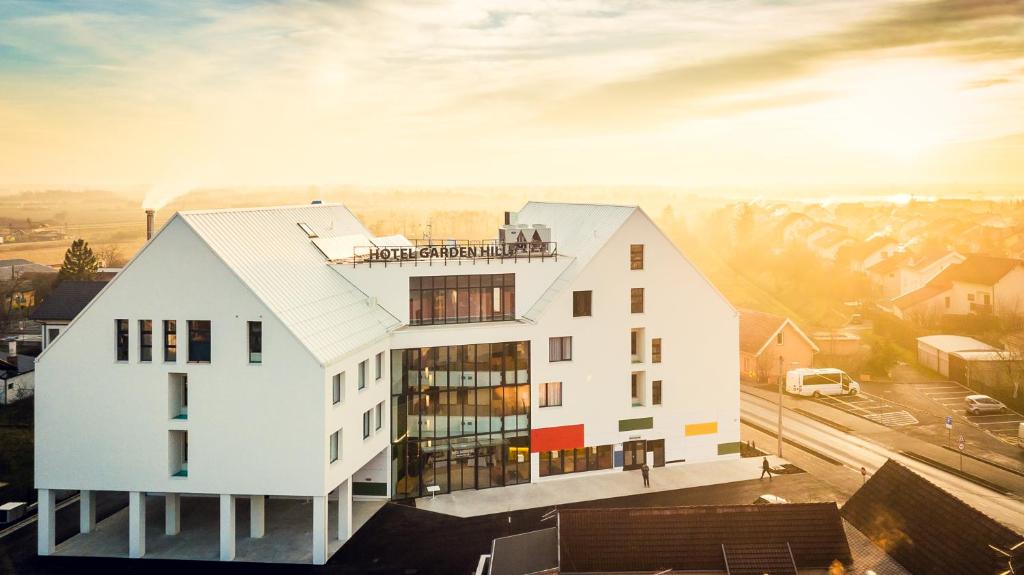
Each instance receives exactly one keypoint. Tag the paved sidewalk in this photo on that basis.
(593, 485)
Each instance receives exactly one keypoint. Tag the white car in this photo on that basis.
(977, 404)
(768, 499)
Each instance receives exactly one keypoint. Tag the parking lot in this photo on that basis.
(871, 407)
(950, 395)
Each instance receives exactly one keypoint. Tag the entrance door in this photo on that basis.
(634, 454)
(658, 447)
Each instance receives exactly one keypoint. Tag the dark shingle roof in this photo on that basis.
(691, 538)
(759, 559)
(66, 300)
(925, 528)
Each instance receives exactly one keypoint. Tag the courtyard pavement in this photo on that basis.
(589, 486)
(288, 538)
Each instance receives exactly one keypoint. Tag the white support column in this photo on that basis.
(227, 527)
(257, 516)
(86, 511)
(172, 513)
(47, 522)
(136, 524)
(320, 530)
(345, 510)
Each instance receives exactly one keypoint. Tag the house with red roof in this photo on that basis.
(978, 285)
(765, 339)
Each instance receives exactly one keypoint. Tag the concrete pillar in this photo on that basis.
(172, 513)
(47, 522)
(257, 516)
(136, 524)
(227, 527)
(345, 510)
(320, 530)
(86, 511)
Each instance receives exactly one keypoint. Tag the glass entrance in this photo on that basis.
(634, 454)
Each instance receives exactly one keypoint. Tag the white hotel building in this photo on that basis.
(286, 352)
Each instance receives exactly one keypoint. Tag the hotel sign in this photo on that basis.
(396, 254)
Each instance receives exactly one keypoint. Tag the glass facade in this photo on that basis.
(460, 417)
(462, 299)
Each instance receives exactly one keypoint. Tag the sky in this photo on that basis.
(755, 96)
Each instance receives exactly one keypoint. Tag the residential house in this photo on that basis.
(62, 305)
(794, 226)
(907, 271)
(765, 339)
(827, 246)
(977, 285)
(863, 255)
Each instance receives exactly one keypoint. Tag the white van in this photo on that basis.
(817, 382)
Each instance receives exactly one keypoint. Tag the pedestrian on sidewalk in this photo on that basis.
(646, 471)
(766, 468)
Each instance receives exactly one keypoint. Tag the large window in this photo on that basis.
(636, 257)
(335, 446)
(460, 417)
(636, 300)
(170, 340)
(560, 348)
(362, 374)
(575, 460)
(121, 327)
(581, 303)
(145, 340)
(366, 423)
(338, 387)
(255, 342)
(550, 394)
(462, 299)
(198, 341)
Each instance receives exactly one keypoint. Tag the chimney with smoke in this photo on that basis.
(149, 224)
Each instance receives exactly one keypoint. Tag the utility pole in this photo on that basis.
(780, 406)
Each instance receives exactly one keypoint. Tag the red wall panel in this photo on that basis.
(552, 438)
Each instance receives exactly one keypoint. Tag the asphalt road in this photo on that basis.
(854, 452)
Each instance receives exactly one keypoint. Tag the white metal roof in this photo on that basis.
(954, 343)
(271, 254)
(579, 230)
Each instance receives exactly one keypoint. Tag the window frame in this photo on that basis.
(334, 452)
(378, 367)
(145, 349)
(636, 262)
(656, 390)
(545, 393)
(655, 350)
(636, 300)
(560, 342)
(379, 416)
(367, 415)
(464, 298)
(170, 350)
(259, 342)
(192, 327)
(338, 388)
(364, 368)
(122, 340)
(583, 299)
(780, 339)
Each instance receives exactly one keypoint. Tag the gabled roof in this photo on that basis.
(975, 269)
(67, 300)
(275, 258)
(892, 263)
(654, 539)
(580, 231)
(862, 250)
(20, 267)
(954, 343)
(924, 528)
(758, 329)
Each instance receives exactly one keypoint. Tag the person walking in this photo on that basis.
(646, 471)
(766, 468)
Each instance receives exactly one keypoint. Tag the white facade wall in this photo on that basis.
(103, 425)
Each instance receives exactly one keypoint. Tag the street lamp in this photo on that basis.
(780, 406)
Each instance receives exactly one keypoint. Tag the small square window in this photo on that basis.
(550, 394)
(560, 348)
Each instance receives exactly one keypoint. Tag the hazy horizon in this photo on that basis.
(744, 99)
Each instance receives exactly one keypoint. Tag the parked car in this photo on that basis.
(769, 499)
(977, 404)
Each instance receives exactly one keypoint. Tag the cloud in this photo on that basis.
(963, 28)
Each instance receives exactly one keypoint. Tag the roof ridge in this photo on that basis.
(261, 208)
